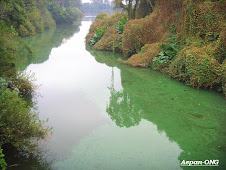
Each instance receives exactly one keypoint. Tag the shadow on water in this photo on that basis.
(22, 160)
(192, 118)
(37, 48)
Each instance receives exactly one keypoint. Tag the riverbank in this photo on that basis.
(107, 114)
(27, 18)
(19, 121)
(182, 39)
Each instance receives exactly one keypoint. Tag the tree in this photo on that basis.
(145, 7)
(130, 6)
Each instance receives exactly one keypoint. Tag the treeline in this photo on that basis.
(26, 18)
(30, 17)
(184, 39)
(94, 8)
(18, 123)
(64, 11)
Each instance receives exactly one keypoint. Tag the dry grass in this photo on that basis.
(109, 41)
(152, 29)
(144, 58)
(194, 66)
(103, 20)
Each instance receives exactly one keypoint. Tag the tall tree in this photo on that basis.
(145, 7)
(130, 6)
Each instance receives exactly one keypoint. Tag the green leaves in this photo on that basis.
(3, 83)
(3, 164)
(98, 35)
(120, 25)
(17, 123)
(169, 50)
(159, 61)
(63, 14)
(165, 55)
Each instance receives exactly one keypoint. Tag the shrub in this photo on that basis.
(102, 21)
(120, 25)
(3, 164)
(101, 16)
(159, 61)
(98, 35)
(111, 41)
(23, 31)
(3, 83)
(8, 49)
(165, 55)
(18, 125)
(24, 82)
(169, 50)
(30, 27)
(196, 68)
(151, 29)
(145, 56)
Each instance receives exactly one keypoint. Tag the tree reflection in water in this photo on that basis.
(194, 119)
(121, 107)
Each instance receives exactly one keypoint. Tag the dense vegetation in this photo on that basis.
(64, 14)
(111, 40)
(184, 39)
(32, 17)
(18, 122)
(98, 35)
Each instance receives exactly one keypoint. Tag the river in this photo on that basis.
(109, 116)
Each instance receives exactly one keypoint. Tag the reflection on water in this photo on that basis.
(194, 119)
(106, 115)
(112, 148)
(40, 46)
(121, 108)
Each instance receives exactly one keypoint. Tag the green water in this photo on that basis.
(194, 119)
(107, 115)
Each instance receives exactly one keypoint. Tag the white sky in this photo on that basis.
(85, 1)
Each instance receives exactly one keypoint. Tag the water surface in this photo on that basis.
(106, 115)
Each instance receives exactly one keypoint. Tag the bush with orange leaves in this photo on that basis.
(103, 20)
(154, 28)
(194, 66)
(145, 56)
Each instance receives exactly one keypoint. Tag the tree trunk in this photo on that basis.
(130, 7)
(135, 9)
